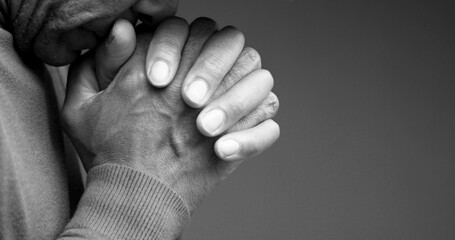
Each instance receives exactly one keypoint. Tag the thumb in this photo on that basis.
(82, 82)
(152, 12)
(114, 52)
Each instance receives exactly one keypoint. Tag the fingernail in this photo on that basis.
(111, 36)
(213, 120)
(228, 148)
(159, 73)
(110, 39)
(197, 90)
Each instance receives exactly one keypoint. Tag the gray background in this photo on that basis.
(367, 149)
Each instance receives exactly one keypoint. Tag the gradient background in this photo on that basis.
(367, 150)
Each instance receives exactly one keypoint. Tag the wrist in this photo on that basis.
(122, 203)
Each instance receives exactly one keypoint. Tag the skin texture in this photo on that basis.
(167, 45)
(56, 31)
(221, 64)
(115, 116)
(152, 130)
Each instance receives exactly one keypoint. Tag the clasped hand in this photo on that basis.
(183, 104)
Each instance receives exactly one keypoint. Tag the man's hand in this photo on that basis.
(152, 130)
(163, 59)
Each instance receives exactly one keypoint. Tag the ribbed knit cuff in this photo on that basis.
(122, 203)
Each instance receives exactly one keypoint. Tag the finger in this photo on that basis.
(164, 51)
(248, 61)
(267, 110)
(240, 100)
(247, 143)
(200, 31)
(81, 87)
(216, 59)
(115, 51)
(82, 84)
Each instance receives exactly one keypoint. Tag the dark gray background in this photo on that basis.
(367, 149)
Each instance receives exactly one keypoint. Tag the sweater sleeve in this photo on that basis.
(122, 203)
(119, 202)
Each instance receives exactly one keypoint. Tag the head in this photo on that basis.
(56, 31)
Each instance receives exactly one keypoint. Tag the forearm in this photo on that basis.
(122, 203)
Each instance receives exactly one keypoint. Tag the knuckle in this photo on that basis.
(132, 80)
(235, 74)
(169, 45)
(170, 36)
(250, 56)
(138, 77)
(237, 107)
(248, 61)
(213, 66)
(267, 110)
(273, 103)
